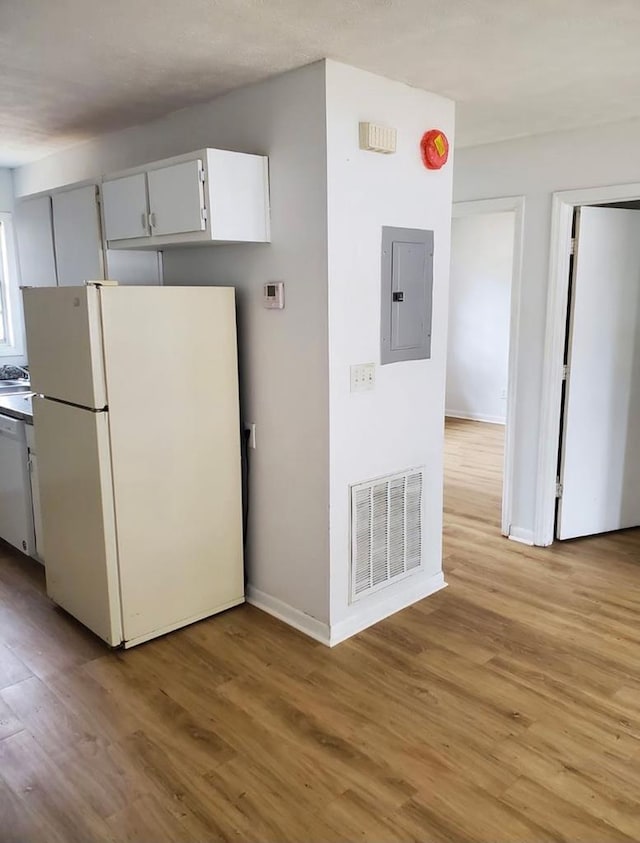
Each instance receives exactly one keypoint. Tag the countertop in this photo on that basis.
(17, 406)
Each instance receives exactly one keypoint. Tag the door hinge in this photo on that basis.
(558, 488)
(201, 175)
(565, 372)
(572, 247)
(203, 214)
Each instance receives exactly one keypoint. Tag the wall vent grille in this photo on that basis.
(386, 531)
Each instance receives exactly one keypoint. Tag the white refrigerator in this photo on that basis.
(137, 431)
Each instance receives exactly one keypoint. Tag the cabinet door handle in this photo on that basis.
(143, 218)
(152, 220)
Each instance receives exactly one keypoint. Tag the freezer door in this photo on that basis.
(64, 343)
(76, 494)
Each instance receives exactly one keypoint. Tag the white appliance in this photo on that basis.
(137, 425)
(16, 515)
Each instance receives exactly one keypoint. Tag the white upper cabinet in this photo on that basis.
(60, 238)
(238, 196)
(34, 231)
(125, 209)
(208, 196)
(77, 236)
(176, 198)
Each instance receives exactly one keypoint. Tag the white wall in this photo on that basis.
(399, 424)
(536, 167)
(6, 190)
(284, 356)
(479, 297)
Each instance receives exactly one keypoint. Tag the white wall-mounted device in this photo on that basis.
(377, 138)
(273, 298)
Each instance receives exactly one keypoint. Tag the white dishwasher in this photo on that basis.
(16, 513)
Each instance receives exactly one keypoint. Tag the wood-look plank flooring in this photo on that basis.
(504, 708)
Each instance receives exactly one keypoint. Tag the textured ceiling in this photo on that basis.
(71, 69)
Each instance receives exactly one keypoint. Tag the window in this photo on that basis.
(11, 326)
(4, 326)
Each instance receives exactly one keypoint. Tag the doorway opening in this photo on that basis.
(589, 451)
(484, 307)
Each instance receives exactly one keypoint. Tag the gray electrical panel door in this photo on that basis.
(407, 294)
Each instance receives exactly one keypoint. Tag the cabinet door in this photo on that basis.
(124, 203)
(34, 231)
(16, 525)
(77, 236)
(134, 266)
(176, 198)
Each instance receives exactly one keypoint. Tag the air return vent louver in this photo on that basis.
(386, 531)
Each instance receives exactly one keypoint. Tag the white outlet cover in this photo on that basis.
(363, 377)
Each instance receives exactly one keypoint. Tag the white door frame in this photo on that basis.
(564, 203)
(496, 206)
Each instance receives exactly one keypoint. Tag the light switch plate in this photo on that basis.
(363, 377)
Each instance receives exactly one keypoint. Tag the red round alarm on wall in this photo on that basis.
(434, 148)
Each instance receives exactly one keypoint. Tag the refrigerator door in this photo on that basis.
(175, 448)
(76, 494)
(64, 343)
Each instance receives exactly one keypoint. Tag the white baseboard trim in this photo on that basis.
(460, 414)
(370, 614)
(311, 626)
(367, 615)
(518, 534)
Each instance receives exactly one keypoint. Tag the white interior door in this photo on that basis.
(77, 236)
(600, 459)
(176, 198)
(76, 494)
(34, 231)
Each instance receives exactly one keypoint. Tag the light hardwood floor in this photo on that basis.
(504, 708)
